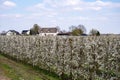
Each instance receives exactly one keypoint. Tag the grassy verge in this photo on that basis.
(18, 71)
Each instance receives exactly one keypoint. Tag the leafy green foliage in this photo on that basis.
(78, 30)
(35, 29)
(94, 32)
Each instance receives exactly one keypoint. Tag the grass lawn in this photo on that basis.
(11, 70)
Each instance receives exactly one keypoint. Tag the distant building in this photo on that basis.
(84, 35)
(48, 31)
(64, 34)
(3, 33)
(107, 34)
(26, 32)
(12, 32)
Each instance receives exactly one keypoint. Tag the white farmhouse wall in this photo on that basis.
(48, 34)
(28, 32)
(10, 33)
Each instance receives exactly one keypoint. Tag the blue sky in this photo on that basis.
(103, 15)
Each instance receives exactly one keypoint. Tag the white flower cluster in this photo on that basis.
(81, 58)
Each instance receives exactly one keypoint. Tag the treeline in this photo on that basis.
(73, 30)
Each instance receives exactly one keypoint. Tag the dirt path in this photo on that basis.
(3, 78)
(11, 70)
(2, 75)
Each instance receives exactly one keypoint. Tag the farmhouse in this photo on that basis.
(26, 32)
(3, 33)
(12, 32)
(64, 34)
(48, 31)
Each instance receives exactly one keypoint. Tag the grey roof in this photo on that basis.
(24, 31)
(48, 30)
(14, 31)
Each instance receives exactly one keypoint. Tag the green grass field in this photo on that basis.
(11, 70)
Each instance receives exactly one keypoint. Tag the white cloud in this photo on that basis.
(18, 15)
(78, 8)
(72, 2)
(56, 9)
(71, 5)
(99, 3)
(11, 16)
(39, 5)
(38, 8)
(95, 8)
(9, 4)
(2, 15)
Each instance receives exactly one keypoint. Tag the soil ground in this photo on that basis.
(11, 70)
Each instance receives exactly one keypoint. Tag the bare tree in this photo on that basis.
(82, 27)
(94, 32)
(77, 30)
